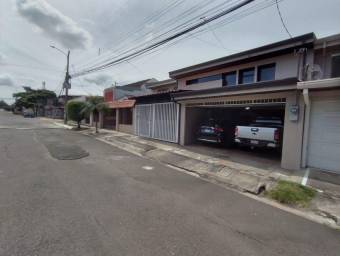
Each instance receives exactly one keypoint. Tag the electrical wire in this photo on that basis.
(169, 25)
(128, 56)
(282, 21)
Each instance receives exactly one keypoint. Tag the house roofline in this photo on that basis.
(269, 50)
(141, 82)
(285, 84)
(162, 83)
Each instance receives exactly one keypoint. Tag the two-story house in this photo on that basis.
(263, 82)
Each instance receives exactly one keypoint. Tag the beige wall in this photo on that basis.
(293, 134)
(125, 128)
(286, 67)
(293, 131)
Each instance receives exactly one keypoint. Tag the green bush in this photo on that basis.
(75, 111)
(292, 193)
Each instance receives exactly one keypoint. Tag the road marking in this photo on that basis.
(148, 168)
(305, 178)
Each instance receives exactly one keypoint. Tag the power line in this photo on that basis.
(166, 40)
(170, 26)
(282, 21)
(244, 13)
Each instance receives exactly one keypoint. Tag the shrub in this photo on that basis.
(75, 111)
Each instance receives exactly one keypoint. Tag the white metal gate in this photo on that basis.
(158, 121)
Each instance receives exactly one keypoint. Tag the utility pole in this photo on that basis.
(67, 85)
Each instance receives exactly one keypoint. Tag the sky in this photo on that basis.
(96, 30)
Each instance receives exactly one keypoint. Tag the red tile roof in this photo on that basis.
(121, 104)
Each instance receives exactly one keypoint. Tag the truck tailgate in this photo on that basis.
(256, 133)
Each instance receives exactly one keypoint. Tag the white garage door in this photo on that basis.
(324, 136)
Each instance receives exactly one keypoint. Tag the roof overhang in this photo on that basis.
(121, 104)
(267, 51)
(320, 84)
(288, 84)
(161, 84)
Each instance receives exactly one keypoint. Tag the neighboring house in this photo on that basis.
(120, 114)
(156, 115)
(163, 86)
(321, 134)
(55, 108)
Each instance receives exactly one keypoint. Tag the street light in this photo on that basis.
(54, 47)
(66, 84)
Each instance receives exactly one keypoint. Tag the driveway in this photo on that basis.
(105, 201)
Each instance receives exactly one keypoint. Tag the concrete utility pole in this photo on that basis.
(67, 83)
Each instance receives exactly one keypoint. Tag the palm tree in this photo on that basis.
(95, 105)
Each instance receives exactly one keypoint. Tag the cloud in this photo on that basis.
(6, 80)
(54, 24)
(101, 80)
(2, 57)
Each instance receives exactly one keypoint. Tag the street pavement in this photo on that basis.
(105, 201)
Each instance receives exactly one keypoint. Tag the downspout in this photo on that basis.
(178, 117)
(305, 127)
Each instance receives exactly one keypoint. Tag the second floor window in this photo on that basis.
(229, 79)
(266, 72)
(204, 79)
(336, 66)
(246, 76)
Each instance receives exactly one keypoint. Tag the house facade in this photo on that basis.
(264, 82)
(296, 80)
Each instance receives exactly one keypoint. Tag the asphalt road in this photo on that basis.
(109, 202)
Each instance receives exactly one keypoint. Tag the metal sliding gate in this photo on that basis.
(158, 121)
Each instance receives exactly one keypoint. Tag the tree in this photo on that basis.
(32, 98)
(3, 104)
(75, 111)
(95, 105)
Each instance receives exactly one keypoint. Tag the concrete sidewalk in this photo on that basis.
(234, 175)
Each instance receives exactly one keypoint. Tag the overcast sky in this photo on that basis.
(28, 27)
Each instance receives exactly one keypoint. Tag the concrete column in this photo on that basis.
(101, 119)
(117, 119)
(91, 119)
(293, 135)
(182, 125)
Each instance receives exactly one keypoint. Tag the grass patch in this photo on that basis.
(291, 193)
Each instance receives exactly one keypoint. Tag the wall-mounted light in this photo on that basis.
(247, 108)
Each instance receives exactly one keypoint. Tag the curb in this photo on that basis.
(247, 184)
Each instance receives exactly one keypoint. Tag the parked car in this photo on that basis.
(264, 132)
(215, 131)
(28, 113)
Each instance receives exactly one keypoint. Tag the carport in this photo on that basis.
(234, 113)
(242, 108)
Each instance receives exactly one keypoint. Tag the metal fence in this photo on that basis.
(158, 121)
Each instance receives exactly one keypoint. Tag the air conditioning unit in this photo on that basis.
(314, 72)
